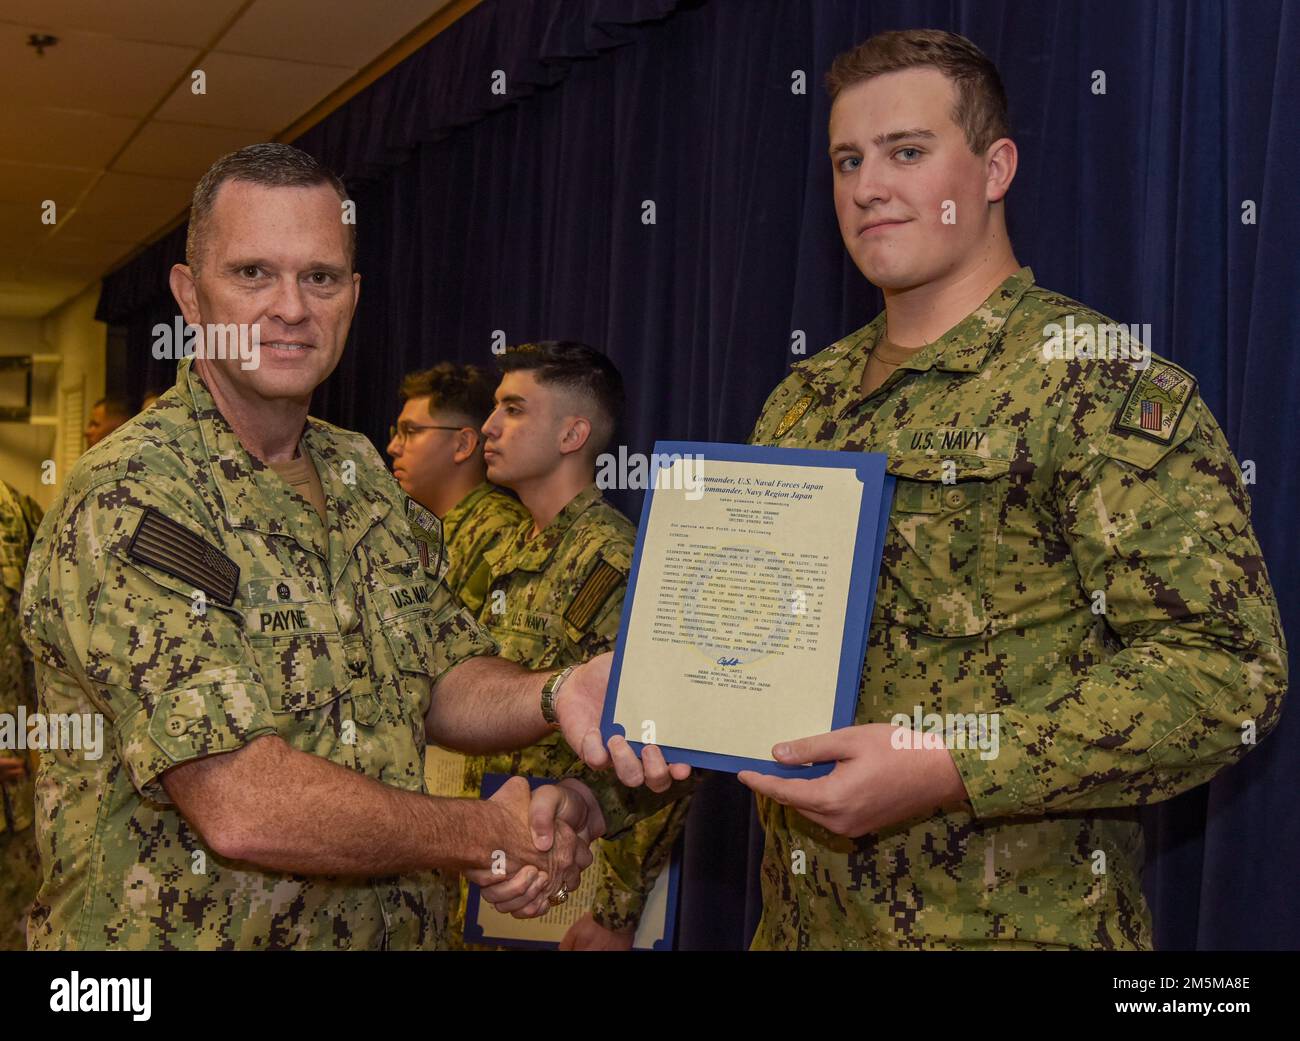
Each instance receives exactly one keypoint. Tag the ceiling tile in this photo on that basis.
(17, 223)
(129, 208)
(106, 123)
(192, 22)
(118, 193)
(294, 30)
(252, 93)
(92, 73)
(181, 150)
(32, 184)
(79, 252)
(131, 226)
(61, 137)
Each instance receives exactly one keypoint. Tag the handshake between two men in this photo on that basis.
(548, 831)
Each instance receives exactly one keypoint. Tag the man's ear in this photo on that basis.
(577, 432)
(1001, 163)
(467, 444)
(186, 292)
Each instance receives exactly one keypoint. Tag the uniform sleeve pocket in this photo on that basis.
(203, 719)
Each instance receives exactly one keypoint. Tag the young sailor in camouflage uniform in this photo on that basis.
(557, 585)
(437, 451)
(1069, 563)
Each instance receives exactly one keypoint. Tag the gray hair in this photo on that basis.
(271, 164)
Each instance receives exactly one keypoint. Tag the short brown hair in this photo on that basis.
(981, 109)
(581, 369)
(272, 165)
(463, 390)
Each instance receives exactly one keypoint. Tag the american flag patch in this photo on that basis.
(175, 550)
(597, 587)
(1156, 403)
(1151, 418)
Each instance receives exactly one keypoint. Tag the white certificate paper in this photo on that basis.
(748, 605)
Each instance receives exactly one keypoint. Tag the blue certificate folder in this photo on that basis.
(873, 520)
(474, 932)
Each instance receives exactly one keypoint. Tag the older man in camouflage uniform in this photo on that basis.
(20, 871)
(236, 588)
(1069, 561)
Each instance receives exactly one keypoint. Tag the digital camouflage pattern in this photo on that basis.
(20, 878)
(19, 864)
(472, 527)
(534, 583)
(1058, 493)
(630, 864)
(333, 641)
(560, 599)
(19, 518)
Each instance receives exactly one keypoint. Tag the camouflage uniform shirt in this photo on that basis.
(20, 873)
(561, 599)
(182, 589)
(1070, 548)
(473, 526)
(19, 517)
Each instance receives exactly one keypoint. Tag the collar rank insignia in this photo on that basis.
(1155, 403)
(427, 531)
(792, 416)
(175, 550)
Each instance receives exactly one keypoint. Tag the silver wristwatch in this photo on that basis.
(549, 691)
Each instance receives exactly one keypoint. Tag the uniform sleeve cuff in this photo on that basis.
(616, 907)
(1001, 782)
(457, 637)
(624, 808)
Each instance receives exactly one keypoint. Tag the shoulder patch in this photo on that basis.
(427, 530)
(792, 416)
(603, 580)
(172, 548)
(1156, 402)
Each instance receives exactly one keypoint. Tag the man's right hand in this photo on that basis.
(12, 770)
(544, 845)
(578, 706)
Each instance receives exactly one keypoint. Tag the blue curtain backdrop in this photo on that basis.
(523, 212)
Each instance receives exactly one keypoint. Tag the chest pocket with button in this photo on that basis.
(939, 549)
(403, 599)
(534, 638)
(294, 633)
